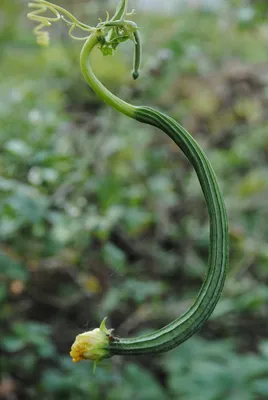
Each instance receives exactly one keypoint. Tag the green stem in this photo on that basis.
(182, 328)
(96, 85)
(137, 56)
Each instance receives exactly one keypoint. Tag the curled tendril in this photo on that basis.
(42, 37)
(42, 6)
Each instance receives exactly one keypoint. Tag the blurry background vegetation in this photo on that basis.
(101, 215)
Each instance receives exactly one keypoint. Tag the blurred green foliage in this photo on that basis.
(103, 216)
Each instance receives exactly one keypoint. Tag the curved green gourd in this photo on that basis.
(101, 343)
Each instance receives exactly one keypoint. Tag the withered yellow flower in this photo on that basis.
(92, 345)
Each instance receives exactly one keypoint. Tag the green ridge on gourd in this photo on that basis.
(101, 342)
